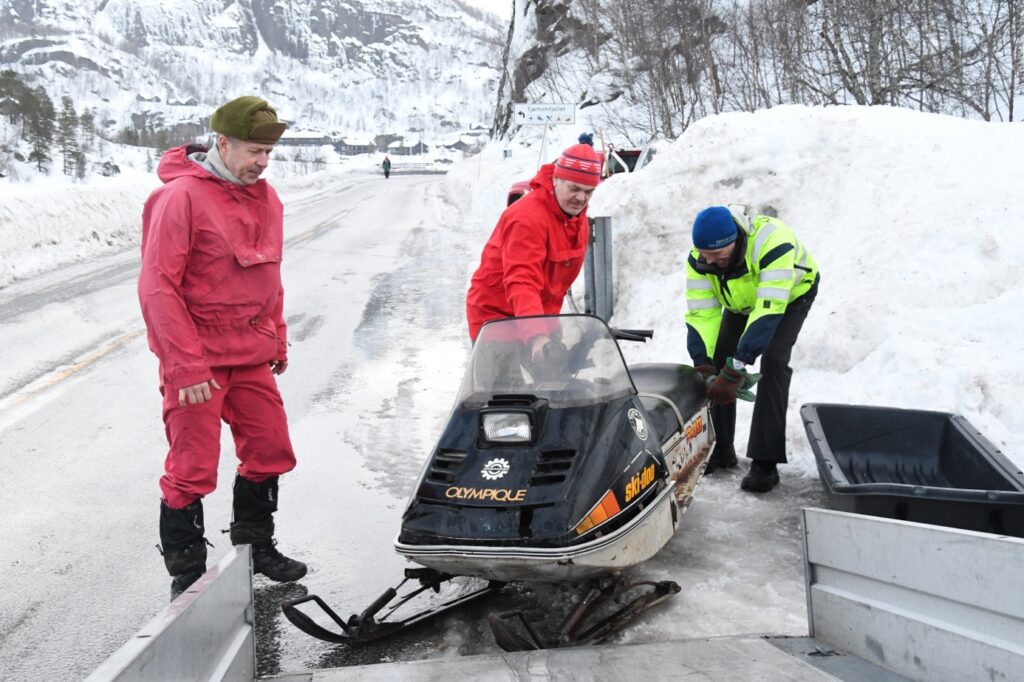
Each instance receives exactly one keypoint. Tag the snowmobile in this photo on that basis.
(573, 468)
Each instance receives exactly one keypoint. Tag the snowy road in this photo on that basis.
(374, 278)
(81, 442)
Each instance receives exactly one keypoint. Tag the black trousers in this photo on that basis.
(768, 426)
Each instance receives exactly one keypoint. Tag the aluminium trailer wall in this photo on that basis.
(205, 634)
(927, 602)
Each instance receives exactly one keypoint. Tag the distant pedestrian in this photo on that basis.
(387, 167)
(749, 286)
(211, 296)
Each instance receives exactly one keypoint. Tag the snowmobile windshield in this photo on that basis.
(582, 364)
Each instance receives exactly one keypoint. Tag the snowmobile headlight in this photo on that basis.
(507, 427)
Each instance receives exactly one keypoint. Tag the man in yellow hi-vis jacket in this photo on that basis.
(749, 286)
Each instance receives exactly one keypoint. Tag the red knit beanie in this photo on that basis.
(581, 164)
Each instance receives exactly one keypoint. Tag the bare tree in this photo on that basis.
(675, 61)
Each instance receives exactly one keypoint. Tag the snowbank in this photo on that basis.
(917, 223)
(44, 224)
(52, 221)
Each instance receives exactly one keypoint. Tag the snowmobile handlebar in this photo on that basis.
(640, 335)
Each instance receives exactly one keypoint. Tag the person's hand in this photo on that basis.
(278, 366)
(556, 355)
(549, 357)
(537, 346)
(723, 389)
(197, 393)
(706, 371)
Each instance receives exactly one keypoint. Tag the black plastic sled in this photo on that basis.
(914, 465)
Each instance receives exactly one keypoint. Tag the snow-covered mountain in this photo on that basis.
(329, 66)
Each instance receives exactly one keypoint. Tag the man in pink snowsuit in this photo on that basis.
(211, 295)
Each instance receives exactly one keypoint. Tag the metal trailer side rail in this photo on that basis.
(927, 602)
(205, 634)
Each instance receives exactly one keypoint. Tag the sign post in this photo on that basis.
(559, 113)
(544, 114)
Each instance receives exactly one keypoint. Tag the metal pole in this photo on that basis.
(598, 269)
(589, 304)
(543, 146)
(606, 238)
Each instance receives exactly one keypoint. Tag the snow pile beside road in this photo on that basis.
(53, 222)
(50, 223)
(915, 221)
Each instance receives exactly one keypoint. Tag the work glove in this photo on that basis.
(722, 389)
(706, 371)
(550, 362)
(556, 355)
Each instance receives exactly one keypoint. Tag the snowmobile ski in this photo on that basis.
(365, 627)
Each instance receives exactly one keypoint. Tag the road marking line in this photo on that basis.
(50, 380)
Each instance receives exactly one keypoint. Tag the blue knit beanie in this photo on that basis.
(714, 228)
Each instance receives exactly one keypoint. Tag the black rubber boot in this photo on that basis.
(723, 457)
(254, 506)
(276, 566)
(183, 545)
(762, 477)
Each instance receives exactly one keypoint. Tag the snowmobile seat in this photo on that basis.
(680, 384)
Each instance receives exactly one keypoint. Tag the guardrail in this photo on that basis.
(927, 602)
(416, 169)
(205, 634)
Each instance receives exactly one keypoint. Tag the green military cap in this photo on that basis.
(249, 119)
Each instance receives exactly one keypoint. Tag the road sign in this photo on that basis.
(543, 114)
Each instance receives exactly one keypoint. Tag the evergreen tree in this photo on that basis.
(162, 140)
(10, 84)
(17, 96)
(128, 135)
(87, 124)
(40, 120)
(67, 137)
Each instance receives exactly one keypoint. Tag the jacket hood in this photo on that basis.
(544, 177)
(175, 164)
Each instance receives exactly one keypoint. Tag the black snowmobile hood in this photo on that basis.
(532, 495)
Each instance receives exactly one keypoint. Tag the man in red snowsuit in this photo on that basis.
(211, 295)
(537, 248)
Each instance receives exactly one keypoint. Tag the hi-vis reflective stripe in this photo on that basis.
(762, 237)
(698, 284)
(703, 304)
(775, 275)
(802, 264)
(773, 292)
